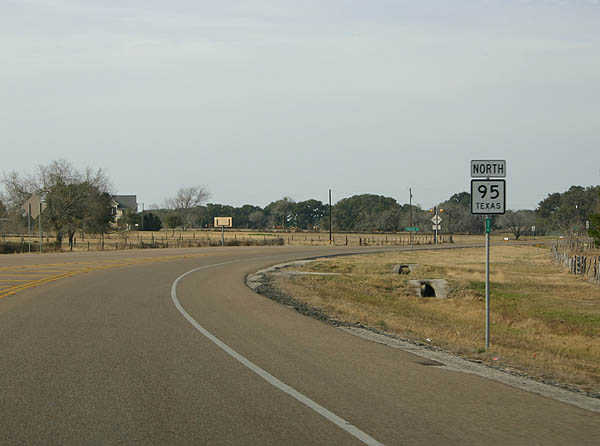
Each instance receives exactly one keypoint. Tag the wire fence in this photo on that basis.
(22, 243)
(579, 259)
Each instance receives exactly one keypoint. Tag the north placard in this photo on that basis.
(488, 196)
(488, 168)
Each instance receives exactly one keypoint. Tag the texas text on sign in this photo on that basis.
(488, 196)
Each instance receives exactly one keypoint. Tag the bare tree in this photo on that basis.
(186, 202)
(75, 200)
(517, 222)
(18, 189)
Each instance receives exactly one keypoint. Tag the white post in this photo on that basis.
(222, 235)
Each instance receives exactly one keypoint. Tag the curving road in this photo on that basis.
(143, 347)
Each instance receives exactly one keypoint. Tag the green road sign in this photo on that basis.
(488, 225)
(412, 229)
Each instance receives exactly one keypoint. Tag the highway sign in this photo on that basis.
(437, 227)
(225, 222)
(436, 219)
(488, 168)
(412, 229)
(488, 196)
(34, 201)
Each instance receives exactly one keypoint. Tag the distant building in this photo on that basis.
(121, 203)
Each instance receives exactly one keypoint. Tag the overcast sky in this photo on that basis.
(257, 99)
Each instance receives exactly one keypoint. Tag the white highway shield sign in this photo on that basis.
(488, 196)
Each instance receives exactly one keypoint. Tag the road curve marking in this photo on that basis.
(330, 416)
(72, 269)
(14, 289)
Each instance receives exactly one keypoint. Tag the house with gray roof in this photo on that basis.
(122, 203)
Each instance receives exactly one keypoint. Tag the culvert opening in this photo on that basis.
(405, 268)
(427, 290)
(437, 288)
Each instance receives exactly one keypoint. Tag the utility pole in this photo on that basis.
(40, 224)
(29, 225)
(410, 217)
(330, 235)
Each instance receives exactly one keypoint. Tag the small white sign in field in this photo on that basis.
(223, 222)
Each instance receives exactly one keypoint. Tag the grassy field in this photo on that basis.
(543, 320)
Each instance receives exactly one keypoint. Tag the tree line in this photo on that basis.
(81, 200)
(571, 213)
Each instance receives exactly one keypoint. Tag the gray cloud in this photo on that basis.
(257, 100)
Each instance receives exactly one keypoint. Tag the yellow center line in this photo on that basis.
(23, 275)
(16, 288)
(41, 270)
(76, 268)
(14, 280)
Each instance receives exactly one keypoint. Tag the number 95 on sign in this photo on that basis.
(488, 196)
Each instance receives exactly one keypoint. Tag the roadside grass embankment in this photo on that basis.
(544, 322)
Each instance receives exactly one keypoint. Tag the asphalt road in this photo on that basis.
(114, 353)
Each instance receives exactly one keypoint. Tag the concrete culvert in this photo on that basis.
(431, 288)
(404, 268)
(427, 290)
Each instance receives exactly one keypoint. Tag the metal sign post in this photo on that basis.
(488, 227)
(436, 222)
(488, 196)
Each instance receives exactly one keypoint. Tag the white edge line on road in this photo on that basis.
(340, 422)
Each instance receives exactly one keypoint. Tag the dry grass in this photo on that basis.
(177, 238)
(543, 320)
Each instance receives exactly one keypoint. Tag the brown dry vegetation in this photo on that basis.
(543, 320)
(197, 238)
